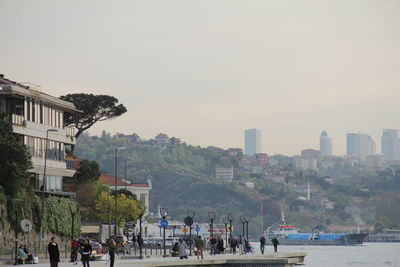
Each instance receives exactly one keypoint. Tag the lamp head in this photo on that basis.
(230, 216)
(211, 215)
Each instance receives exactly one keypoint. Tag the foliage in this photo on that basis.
(53, 213)
(127, 208)
(94, 108)
(88, 171)
(15, 160)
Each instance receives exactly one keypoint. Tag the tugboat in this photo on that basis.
(289, 235)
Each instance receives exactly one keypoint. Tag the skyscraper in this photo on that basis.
(252, 141)
(325, 144)
(360, 145)
(391, 144)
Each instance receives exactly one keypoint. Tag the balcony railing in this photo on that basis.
(70, 131)
(72, 164)
(17, 119)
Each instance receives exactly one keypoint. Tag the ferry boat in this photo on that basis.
(290, 235)
(386, 235)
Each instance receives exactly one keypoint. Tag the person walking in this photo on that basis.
(213, 245)
(275, 242)
(262, 243)
(199, 247)
(134, 240)
(86, 251)
(182, 249)
(54, 252)
(112, 246)
(241, 244)
(74, 250)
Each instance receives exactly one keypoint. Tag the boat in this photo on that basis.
(386, 235)
(290, 235)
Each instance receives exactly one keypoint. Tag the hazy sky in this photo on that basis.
(206, 70)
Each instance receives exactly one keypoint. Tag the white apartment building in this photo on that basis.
(39, 118)
(140, 190)
(225, 174)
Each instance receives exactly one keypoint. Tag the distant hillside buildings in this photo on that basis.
(252, 142)
(224, 174)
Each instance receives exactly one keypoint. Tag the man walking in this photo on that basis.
(54, 253)
(112, 246)
(275, 242)
(241, 243)
(262, 244)
(199, 247)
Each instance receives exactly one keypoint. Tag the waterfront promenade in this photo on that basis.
(282, 259)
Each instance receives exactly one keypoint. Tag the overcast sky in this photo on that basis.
(206, 70)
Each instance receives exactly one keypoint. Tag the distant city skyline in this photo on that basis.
(204, 71)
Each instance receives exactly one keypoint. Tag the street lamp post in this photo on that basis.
(73, 212)
(43, 187)
(230, 217)
(243, 222)
(247, 220)
(226, 230)
(125, 172)
(115, 189)
(211, 216)
(142, 209)
(16, 231)
(164, 213)
(190, 214)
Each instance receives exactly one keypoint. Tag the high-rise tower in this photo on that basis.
(325, 144)
(252, 141)
(360, 145)
(391, 144)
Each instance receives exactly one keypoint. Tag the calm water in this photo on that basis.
(369, 254)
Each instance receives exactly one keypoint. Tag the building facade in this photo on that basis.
(39, 118)
(391, 144)
(360, 145)
(224, 174)
(140, 190)
(252, 142)
(325, 144)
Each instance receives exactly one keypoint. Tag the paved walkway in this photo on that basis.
(158, 260)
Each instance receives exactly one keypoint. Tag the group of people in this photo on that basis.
(263, 241)
(215, 244)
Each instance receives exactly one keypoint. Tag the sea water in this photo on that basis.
(368, 254)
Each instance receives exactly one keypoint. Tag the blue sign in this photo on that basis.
(197, 229)
(164, 223)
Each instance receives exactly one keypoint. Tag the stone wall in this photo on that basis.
(7, 236)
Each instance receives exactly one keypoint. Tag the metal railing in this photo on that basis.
(70, 131)
(17, 119)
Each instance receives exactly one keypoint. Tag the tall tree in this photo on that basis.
(128, 209)
(94, 108)
(15, 160)
(88, 171)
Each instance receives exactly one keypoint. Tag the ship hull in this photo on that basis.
(346, 240)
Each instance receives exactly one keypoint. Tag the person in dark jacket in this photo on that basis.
(86, 251)
(112, 246)
(54, 253)
(262, 244)
(275, 242)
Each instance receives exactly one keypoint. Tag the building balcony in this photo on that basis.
(17, 119)
(70, 131)
(72, 164)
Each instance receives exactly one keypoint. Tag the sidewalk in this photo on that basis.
(174, 261)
